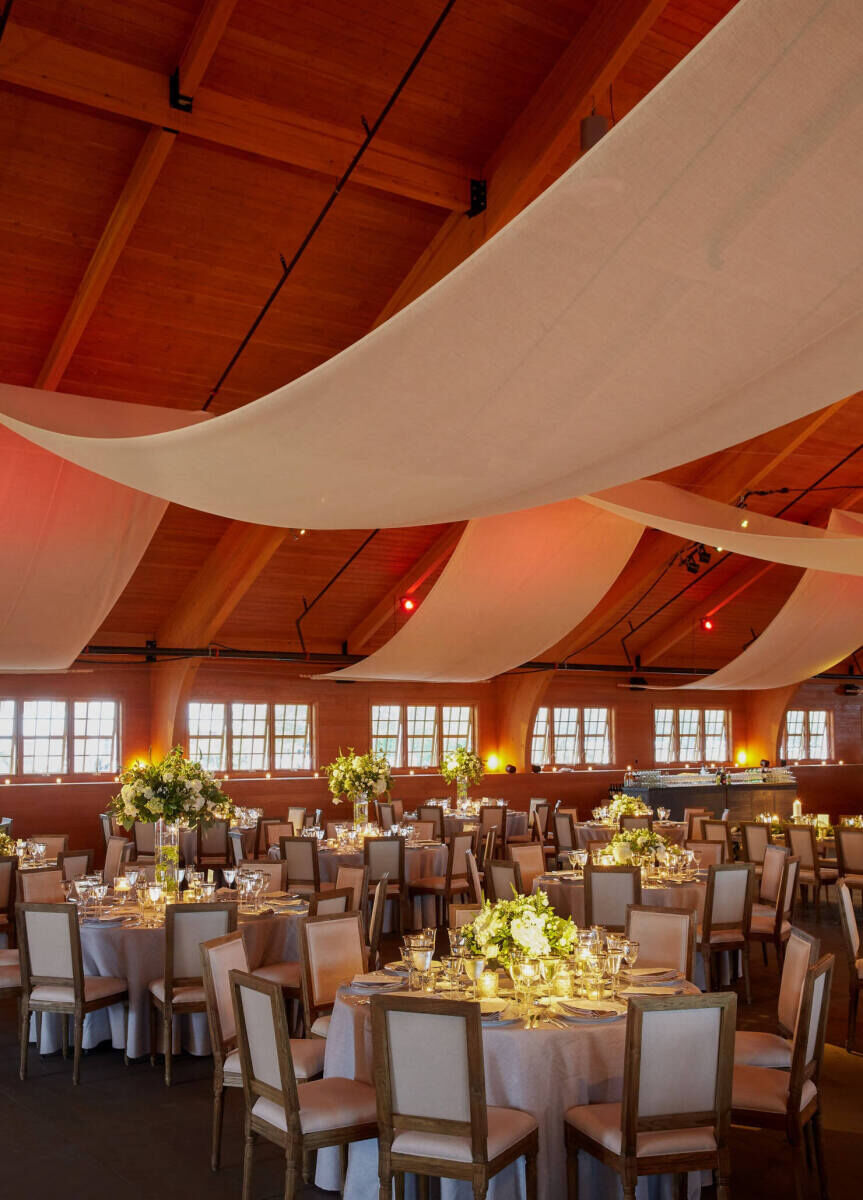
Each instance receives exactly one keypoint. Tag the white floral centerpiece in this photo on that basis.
(7, 845)
(637, 841)
(525, 925)
(627, 806)
(357, 777)
(462, 767)
(169, 794)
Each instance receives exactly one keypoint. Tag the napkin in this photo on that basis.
(652, 991)
(375, 981)
(647, 974)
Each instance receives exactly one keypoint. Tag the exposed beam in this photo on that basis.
(33, 60)
(209, 27)
(414, 578)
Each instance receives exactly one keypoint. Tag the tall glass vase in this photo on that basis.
(361, 808)
(461, 792)
(167, 857)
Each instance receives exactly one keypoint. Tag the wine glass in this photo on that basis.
(100, 891)
(630, 952)
(133, 874)
(614, 960)
(474, 965)
(229, 874)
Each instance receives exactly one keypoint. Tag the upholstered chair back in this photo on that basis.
(301, 856)
(41, 887)
(463, 914)
(727, 895)
(789, 886)
(428, 1065)
(461, 844)
(105, 827)
(235, 841)
(493, 817)
(812, 1022)
(398, 810)
(608, 892)
(115, 852)
(541, 819)
(213, 840)
(717, 831)
(502, 878)
(274, 831)
(771, 874)
(386, 816)
(756, 839)
(636, 822)
(261, 1031)
(434, 814)
(297, 817)
(219, 957)
(801, 841)
(186, 927)
(473, 877)
(424, 831)
(686, 1034)
(333, 951)
(357, 879)
(50, 940)
(665, 936)
(261, 833)
(849, 843)
(144, 834)
(73, 863)
(327, 904)
(385, 855)
(8, 869)
(707, 854)
(689, 815)
(376, 920)
(801, 951)
(531, 862)
(54, 843)
(275, 873)
(564, 832)
(850, 929)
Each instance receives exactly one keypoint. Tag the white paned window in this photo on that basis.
(387, 732)
(292, 734)
(250, 727)
(95, 737)
(540, 747)
(597, 740)
(7, 736)
(715, 734)
(456, 724)
(43, 737)
(207, 735)
(689, 734)
(421, 726)
(806, 734)
(568, 736)
(663, 735)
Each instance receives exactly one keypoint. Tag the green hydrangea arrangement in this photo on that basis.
(352, 775)
(525, 925)
(462, 763)
(627, 806)
(174, 790)
(7, 845)
(639, 841)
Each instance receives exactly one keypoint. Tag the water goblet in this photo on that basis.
(614, 961)
(133, 874)
(630, 952)
(229, 874)
(100, 891)
(474, 965)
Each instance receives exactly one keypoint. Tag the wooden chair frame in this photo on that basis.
(346, 894)
(311, 1008)
(841, 833)
(433, 813)
(386, 814)
(396, 888)
(313, 883)
(480, 1170)
(749, 852)
(725, 829)
(642, 821)
(376, 920)
(220, 1046)
(697, 844)
(463, 910)
(451, 886)
(34, 873)
(260, 843)
(818, 882)
(79, 1006)
(617, 869)
(782, 913)
(298, 1146)
(474, 879)
(88, 856)
(7, 910)
(362, 897)
(627, 1164)
(677, 912)
(169, 1007)
(855, 983)
(497, 824)
(709, 927)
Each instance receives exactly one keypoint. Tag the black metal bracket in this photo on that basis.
(478, 197)
(150, 645)
(177, 98)
(4, 17)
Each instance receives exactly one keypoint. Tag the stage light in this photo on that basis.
(691, 565)
(703, 555)
(706, 624)
(408, 604)
(744, 524)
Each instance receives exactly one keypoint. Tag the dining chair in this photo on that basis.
(474, 878)
(181, 989)
(8, 879)
(54, 843)
(260, 842)
(485, 847)
(424, 831)
(492, 818)
(776, 927)
(356, 878)
(433, 1118)
(814, 873)
(463, 914)
(73, 863)
(105, 828)
(325, 904)
(564, 835)
(274, 831)
(376, 921)
(274, 871)
(689, 815)
(719, 831)
(117, 853)
(237, 846)
(756, 839)
(608, 892)
(668, 1121)
(727, 909)
(502, 879)
(771, 878)
(444, 888)
(398, 810)
(53, 979)
(300, 1117)
(766, 1098)
(849, 856)
(531, 862)
(707, 854)
(144, 839)
(42, 885)
(218, 958)
(386, 816)
(851, 938)
(433, 813)
(303, 872)
(212, 846)
(756, 1049)
(636, 822)
(297, 817)
(665, 936)
(332, 952)
(386, 855)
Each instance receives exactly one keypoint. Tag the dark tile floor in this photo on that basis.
(122, 1133)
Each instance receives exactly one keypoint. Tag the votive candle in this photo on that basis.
(487, 985)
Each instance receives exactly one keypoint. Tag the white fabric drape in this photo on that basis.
(513, 587)
(692, 281)
(838, 548)
(69, 539)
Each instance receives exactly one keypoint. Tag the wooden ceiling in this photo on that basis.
(138, 242)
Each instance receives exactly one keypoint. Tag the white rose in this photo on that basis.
(127, 792)
(198, 803)
(380, 786)
(148, 793)
(357, 763)
(168, 776)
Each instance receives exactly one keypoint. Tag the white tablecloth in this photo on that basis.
(566, 895)
(138, 955)
(544, 1071)
(587, 832)
(420, 863)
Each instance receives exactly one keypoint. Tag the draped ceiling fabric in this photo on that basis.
(837, 549)
(69, 539)
(692, 281)
(819, 625)
(513, 587)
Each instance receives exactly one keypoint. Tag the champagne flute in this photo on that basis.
(614, 961)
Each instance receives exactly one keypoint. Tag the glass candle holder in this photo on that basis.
(487, 985)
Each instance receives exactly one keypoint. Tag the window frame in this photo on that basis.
(403, 763)
(18, 775)
(701, 759)
(551, 735)
(270, 767)
(808, 757)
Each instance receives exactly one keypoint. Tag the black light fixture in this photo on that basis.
(691, 565)
(703, 555)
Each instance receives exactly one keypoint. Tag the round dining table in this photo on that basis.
(137, 954)
(565, 891)
(598, 831)
(421, 862)
(543, 1071)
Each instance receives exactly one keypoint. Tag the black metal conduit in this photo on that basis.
(371, 130)
(307, 608)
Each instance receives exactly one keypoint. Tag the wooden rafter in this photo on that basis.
(209, 27)
(33, 60)
(414, 578)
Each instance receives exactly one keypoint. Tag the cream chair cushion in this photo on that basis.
(287, 974)
(859, 966)
(233, 1066)
(182, 995)
(321, 1027)
(853, 880)
(325, 1104)
(764, 1090)
(828, 874)
(308, 1056)
(601, 1122)
(767, 925)
(10, 977)
(95, 988)
(763, 1050)
(9, 958)
(721, 935)
(506, 1126)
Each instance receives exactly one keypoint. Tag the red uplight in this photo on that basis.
(408, 604)
(706, 624)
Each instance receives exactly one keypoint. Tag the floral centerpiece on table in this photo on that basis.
(525, 925)
(637, 841)
(627, 806)
(356, 777)
(7, 845)
(462, 767)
